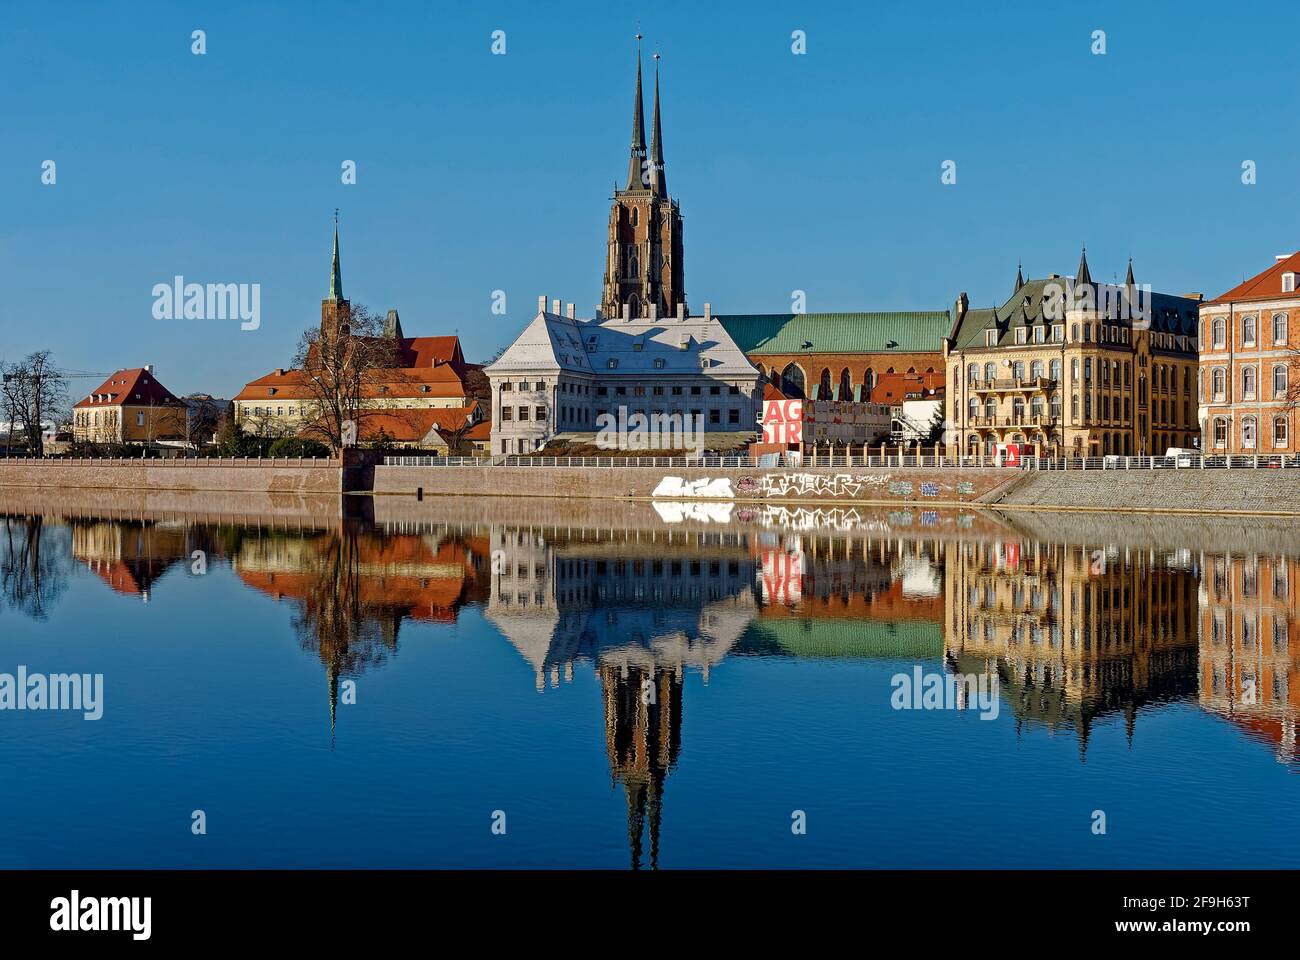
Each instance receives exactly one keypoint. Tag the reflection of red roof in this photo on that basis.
(1266, 285)
(134, 386)
(1266, 729)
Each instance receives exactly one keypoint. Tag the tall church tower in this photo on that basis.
(643, 263)
(335, 312)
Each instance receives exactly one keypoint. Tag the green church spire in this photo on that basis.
(336, 274)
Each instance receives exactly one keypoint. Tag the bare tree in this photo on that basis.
(345, 373)
(32, 390)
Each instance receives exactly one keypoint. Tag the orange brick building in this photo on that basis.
(1250, 364)
(131, 406)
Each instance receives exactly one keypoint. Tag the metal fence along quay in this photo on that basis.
(926, 461)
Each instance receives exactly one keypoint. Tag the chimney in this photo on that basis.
(555, 306)
(541, 303)
(708, 312)
(627, 312)
(1198, 297)
(279, 371)
(571, 312)
(681, 312)
(148, 368)
(963, 302)
(1279, 257)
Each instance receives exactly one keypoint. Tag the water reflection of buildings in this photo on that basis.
(354, 588)
(1249, 672)
(1072, 633)
(130, 556)
(642, 609)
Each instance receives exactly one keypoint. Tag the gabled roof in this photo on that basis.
(793, 333)
(1264, 286)
(130, 387)
(431, 351)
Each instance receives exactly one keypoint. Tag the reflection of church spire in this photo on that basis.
(332, 681)
(642, 739)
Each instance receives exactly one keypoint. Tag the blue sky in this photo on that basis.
(477, 172)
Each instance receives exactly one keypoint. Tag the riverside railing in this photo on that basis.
(173, 461)
(922, 461)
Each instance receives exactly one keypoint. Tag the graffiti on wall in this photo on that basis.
(719, 489)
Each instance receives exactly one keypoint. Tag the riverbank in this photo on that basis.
(1236, 492)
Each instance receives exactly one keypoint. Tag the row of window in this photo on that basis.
(1249, 378)
(1250, 432)
(525, 413)
(1249, 326)
(1085, 333)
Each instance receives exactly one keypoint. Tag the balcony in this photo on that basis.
(1028, 421)
(1013, 385)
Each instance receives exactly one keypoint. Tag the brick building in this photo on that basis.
(1250, 363)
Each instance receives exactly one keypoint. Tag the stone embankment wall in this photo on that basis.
(251, 476)
(838, 484)
(1200, 491)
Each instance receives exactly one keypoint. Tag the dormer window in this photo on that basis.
(612, 363)
(659, 363)
(1288, 282)
(990, 338)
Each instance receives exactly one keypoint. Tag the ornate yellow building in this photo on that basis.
(1074, 367)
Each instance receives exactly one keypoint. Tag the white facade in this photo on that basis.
(561, 373)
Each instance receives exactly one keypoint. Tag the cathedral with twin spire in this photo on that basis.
(643, 265)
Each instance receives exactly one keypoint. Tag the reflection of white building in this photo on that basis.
(580, 599)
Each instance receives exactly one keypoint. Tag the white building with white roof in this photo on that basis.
(561, 373)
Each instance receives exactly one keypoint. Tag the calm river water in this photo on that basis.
(483, 684)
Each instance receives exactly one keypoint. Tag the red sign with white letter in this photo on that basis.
(783, 421)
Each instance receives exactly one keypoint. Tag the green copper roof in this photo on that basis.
(336, 273)
(759, 333)
(855, 639)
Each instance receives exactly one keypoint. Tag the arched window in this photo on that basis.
(973, 372)
(990, 408)
(990, 372)
(1279, 328)
(1279, 432)
(824, 393)
(792, 381)
(633, 266)
(1220, 432)
(635, 216)
(1218, 383)
(974, 407)
(1018, 369)
(1220, 333)
(1248, 433)
(869, 378)
(1054, 370)
(1247, 331)
(1248, 383)
(1279, 381)
(846, 385)
(1036, 370)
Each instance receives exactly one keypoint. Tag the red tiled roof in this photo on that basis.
(895, 387)
(406, 383)
(432, 351)
(480, 431)
(411, 426)
(134, 386)
(1266, 285)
